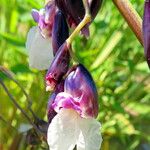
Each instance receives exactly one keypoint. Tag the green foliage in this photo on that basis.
(112, 54)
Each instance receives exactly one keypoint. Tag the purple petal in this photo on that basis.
(81, 86)
(64, 100)
(35, 15)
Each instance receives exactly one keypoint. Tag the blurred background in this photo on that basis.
(112, 54)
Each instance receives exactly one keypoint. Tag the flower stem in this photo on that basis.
(131, 16)
(86, 20)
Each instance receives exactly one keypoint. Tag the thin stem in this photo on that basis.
(85, 21)
(86, 6)
(18, 106)
(131, 16)
(10, 75)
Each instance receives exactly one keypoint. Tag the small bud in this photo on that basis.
(146, 31)
(59, 67)
(60, 31)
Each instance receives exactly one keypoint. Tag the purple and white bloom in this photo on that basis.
(77, 108)
(39, 43)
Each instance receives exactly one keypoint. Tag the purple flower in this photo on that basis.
(79, 93)
(58, 67)
(76, 107)
(146, 31)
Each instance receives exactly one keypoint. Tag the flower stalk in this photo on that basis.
(131, 16)
(87, 19)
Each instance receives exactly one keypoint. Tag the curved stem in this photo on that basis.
(86, 20)
(131, 16)
(18, 107)
(10, 75)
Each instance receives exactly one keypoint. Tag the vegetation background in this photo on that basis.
(112, 54)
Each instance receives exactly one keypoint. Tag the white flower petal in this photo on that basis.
(90, 137)
(40, 49)
(63, 130)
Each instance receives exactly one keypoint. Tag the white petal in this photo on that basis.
(40, 49)
(63, 130)
(90, 137)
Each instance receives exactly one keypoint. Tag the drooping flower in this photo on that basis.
(79, 92)
(51, 22)
(39, 38)
(146, 30)
(76, 107)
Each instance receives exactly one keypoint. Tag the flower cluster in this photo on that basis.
(73, 104)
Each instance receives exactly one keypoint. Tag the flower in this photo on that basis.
(68, 129)
(50, 23)
(77, 108)
(39, 41)
(79, 93)
(146, 31)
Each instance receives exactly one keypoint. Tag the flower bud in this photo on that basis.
(60, 31)
(146, 31)
(58, 67)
